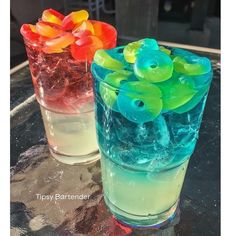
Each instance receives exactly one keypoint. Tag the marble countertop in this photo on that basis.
(35, 174)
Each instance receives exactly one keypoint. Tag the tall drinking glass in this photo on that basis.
(149, 106)
(60, 69)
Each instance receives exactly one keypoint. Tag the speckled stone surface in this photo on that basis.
(34, 172)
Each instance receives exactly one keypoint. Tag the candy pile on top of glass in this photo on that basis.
(149, 105)
(60, 50)
(58, 47)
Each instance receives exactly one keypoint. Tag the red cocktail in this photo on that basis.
(60, 50)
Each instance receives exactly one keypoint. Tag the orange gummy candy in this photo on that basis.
(57, 44)
(97, 29)
(52, 16)
(61, 41)
(50, 50)
(33, 28)
(74, 18)
(47, 30)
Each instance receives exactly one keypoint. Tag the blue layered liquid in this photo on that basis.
(153, 146)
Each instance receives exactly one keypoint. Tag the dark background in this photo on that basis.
(195, 22)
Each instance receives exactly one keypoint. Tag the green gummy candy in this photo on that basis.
(109, 88)
(196, 66)
(165, 50)
(131, 49)
(139, 102)
(193, 102)
(153, 66)
(103, 59)
(176, 92)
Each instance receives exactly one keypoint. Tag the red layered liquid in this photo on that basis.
(61, 83)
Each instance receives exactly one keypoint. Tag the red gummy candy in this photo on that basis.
(106, 33)
(29, 32)
(85, 48)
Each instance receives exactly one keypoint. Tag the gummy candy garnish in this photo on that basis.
(85, 48)
(74, 18)
(62, 41)
(181, 52)
(192, 65)
(193, 102)
(57, 45)
(110, 87)
(50, 50)
(46, 29)
(89, 40)
(165, 50)
(105, 33)
(181, 88)
(153, 66)
(97, 27)
(103, 59)
(176, 92)
(84, 29)
(132, 49)
(139, 102)
(54, 32)
(52, 16)
(29, 32)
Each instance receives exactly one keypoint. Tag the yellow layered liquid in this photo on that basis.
(70, 136)
(141, 193)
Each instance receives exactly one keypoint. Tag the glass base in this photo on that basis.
(141, 222)
(75, 160)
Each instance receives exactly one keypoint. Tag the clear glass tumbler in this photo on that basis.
(63, 89)
(146, 132)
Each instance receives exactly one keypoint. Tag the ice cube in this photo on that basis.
(184, 131)
(161, 130)
(125, 130)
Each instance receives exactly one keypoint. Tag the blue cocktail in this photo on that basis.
(149, 105)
